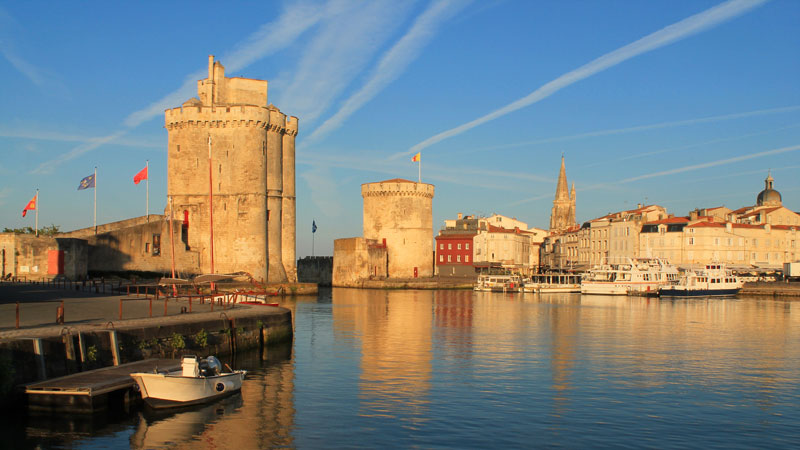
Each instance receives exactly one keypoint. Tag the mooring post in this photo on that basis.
(39, 353)
(60, 313)
(112, 336)
(82, 348)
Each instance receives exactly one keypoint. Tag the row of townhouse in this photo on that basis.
(468, 245)
(760, 236)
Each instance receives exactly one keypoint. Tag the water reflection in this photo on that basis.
(459, 368)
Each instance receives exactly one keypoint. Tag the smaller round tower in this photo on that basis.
(401, 212)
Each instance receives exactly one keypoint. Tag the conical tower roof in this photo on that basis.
(562, 194)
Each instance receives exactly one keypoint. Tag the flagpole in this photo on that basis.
(210, 206)
(37, 213)
(314, 222)
(172, 244)
(147, 188)
(420, 168)
(95, 199)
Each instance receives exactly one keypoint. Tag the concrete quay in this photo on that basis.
(411, 283)
(772, 289)
(92, 335)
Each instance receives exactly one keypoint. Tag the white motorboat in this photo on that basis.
(712, 280)
(633, 276)
(196, 382)
(499, 283)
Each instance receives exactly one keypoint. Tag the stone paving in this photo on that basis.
(38, 305)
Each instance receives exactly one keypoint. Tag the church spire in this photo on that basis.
(561, 187)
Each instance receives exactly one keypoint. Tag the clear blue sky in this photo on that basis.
(680, 103)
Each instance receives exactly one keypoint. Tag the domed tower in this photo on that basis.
(401, 212)
(230, 143)
(769, 196)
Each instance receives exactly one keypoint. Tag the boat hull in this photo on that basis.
(672, 292)
(173, 390)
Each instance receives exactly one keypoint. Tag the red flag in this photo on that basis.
(142, 175)
(31, 206)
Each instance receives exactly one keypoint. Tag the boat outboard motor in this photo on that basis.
(210, 367)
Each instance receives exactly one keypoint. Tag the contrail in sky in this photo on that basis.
(652, 126)
(270, 38)
(667, 35)
(394, 61)
(713, 163)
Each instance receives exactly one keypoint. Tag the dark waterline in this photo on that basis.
(372, 368)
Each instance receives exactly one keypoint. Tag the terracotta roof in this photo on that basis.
(396, 180)
(712, 209)
(669, 220)
(455, 236)
(707, 225)
(741, 210)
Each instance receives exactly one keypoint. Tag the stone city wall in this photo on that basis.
(358, 259)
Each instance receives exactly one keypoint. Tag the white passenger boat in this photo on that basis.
(553, 283)
(499, 283)
(633, 276)
(196, 382)
(712, 280)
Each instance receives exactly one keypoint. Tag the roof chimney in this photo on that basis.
(460, 216)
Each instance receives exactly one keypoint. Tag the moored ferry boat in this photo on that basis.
(553, 283)
(712, 280)
(633, 276)
(499, 283)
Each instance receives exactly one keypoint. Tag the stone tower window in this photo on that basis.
(179, 148)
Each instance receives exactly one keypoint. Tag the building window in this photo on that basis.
(467, 244)
(449, 246)
(441, 246)
(449, 258)
(459, 246)
(691, 240)
(156, 244)
(458, 258)
(466, 258)
(441, 258)
(147, 247)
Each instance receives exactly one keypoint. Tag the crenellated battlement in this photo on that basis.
(228, 117)
(400, 188)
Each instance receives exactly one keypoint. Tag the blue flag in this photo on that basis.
(313, 226)
(86, 183)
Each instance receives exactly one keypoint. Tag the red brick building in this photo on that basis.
(454, 255)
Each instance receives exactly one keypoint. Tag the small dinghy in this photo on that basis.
(197, 382)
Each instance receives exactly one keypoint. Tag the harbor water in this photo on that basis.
(464, 369)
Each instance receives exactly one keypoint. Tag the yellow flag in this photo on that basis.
(416, 157)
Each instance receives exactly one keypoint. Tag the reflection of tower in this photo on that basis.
(401, 212)
(252, 169)
(562, 215)
(395, 330)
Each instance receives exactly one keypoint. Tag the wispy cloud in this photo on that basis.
(45, 135)
(720, 162)
(337, 53)
(48, 166)
(269, 39)
(672, 33)
(8, 28)
(394, 61)
(705, 143)
(638, 128)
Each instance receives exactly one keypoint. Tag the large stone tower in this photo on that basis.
(562, 215)
(232, 142)
(401, 212)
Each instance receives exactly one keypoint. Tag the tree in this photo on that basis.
(52, 230)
